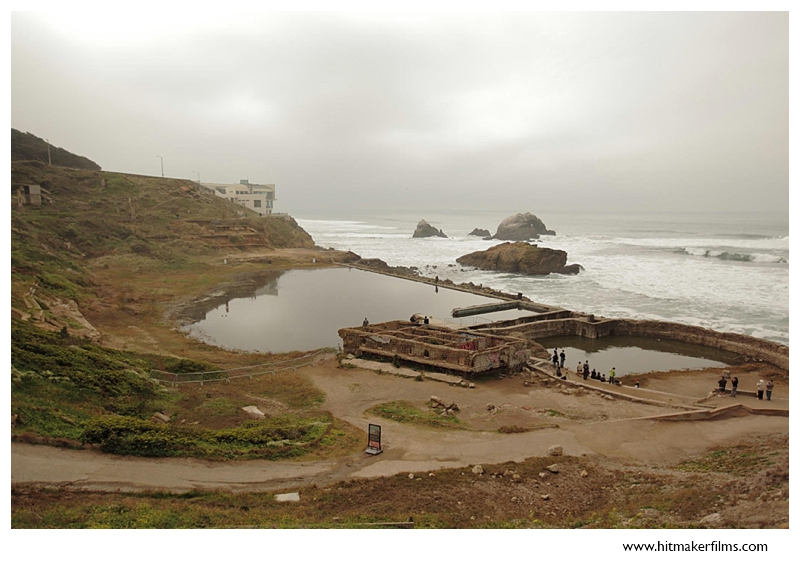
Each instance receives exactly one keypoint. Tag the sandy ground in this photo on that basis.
(584, 421)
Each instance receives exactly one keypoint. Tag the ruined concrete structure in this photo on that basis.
(506, 344)
(463, 351)
(566, 323)
(29, 194)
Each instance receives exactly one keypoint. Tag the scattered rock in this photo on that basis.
(542, 475)
(424, 229)
(436, 400)
(490, 407)
(160, 418)
(465, 384)
(254, 412)
(471, 385)
(477, 470)
(411, 476)
(584, 473)
(288, 497)
(650, 513)
(555, 450)
(516, 477)
(553, 468)
(545, 496)
(715, 518)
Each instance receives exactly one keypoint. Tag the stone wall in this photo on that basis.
(753, 347)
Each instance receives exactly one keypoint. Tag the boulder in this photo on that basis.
(480, 233)
(424, 229)
(477, 470)
(254, 412)
(522, 258)
(160, 418)
(555, 450)
(553, 468)
(521, 227)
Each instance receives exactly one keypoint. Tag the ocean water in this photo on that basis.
(723, 272)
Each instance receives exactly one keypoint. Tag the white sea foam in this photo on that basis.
(688, 272)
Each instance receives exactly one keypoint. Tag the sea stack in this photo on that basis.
(522, 258)
(424, 229)
(521, 227)
(480, 233)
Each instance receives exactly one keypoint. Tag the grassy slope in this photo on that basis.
(118, 247)
(28, 147)
(105, 248)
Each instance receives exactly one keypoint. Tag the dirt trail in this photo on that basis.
(584, 424)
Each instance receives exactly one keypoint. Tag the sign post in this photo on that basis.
(374, 444)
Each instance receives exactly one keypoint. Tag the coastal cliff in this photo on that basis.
(522, 258)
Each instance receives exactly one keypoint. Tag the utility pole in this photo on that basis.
(162, 165)
(49, 161)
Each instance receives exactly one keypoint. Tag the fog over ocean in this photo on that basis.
(726, 272)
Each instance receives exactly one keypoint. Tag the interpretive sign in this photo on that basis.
(374, 442)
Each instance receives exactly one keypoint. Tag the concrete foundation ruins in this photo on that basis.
(463, 351)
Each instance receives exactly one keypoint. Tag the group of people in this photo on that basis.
(583, 369)
(761, 386)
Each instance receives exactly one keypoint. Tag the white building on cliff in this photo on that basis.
(256, 197)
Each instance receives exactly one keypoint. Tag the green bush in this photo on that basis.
(271, 438)
(188, 366)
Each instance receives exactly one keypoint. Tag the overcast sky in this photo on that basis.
(348, 111)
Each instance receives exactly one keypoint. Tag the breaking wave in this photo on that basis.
(732, 255)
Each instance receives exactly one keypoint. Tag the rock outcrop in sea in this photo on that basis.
(480, 233)
(424, 229)
(521, 227)
(520, 257)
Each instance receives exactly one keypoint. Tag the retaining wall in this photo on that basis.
(754, 347)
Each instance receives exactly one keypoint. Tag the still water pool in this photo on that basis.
(300, 310)
(637, 354)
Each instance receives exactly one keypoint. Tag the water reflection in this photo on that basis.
(637, 354)
(304, 309)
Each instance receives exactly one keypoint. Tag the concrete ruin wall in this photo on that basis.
(754, 347)
(414, 343)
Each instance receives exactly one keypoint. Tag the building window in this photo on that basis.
(256, 203)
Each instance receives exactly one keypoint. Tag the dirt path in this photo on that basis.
(582, 423)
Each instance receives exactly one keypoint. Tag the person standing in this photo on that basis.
(722, 382)
(760, 387)
(770, 384)
(555, 358)
(579, 372)
(734, 386)
(563, 357)
(365, 323)
(612, 375)
(586, 370)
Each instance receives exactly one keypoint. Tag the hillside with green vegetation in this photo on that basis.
(94, 269)
(97, 232)
(75, 392)
(28, 147)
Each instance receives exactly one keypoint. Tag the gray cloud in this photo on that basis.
(608, 110)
